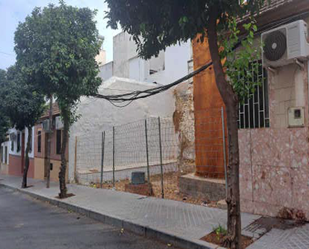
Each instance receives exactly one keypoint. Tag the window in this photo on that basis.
(58, 142)
(39, 141)
(254, 111)
(6, 155)
(18, 142)
(12, 145)
(30, 145)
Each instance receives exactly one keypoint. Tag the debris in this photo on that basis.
(292, 214)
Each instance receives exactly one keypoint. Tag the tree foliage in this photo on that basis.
(56, 47)
(24, 104)
(156, 25)
(4, 120)
(241, 65)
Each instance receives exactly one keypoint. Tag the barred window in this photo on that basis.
(18, 142)
(58, 141)
(39, 141)
(254, 111)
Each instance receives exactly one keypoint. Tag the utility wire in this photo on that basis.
(149, 92)
(153, 91)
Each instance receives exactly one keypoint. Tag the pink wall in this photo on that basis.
(274, 162)
(16, 169)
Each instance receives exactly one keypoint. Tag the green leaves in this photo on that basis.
(56, 47)
(21, 103)
(162, 23)
(241, 65)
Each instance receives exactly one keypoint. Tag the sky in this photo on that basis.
(14, 11)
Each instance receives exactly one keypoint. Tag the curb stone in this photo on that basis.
(138, 229)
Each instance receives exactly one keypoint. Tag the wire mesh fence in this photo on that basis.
(152, 147)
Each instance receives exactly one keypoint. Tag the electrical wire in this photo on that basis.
(131, 96)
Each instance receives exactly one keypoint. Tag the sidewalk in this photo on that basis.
(178, 223)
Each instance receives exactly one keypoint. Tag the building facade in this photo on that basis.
(274, 152)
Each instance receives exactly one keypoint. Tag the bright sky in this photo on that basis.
(14, 11)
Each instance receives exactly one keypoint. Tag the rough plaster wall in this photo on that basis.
(184, 121)
(98, 115)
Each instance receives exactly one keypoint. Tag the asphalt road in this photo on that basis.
(26, 223)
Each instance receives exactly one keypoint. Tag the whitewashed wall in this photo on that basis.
(98, 115)
(14, 152)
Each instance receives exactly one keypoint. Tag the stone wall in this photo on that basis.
(183, 118)
(274, 170)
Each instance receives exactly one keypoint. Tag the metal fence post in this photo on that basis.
(161, 160)
(147, 152)
(113, 156)
(102, 157)
(224, 147)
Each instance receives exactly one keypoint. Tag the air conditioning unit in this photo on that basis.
(285, 44)
(13, 136)
(46, 126)
(59, 123)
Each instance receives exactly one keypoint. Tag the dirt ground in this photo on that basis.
(171, 190)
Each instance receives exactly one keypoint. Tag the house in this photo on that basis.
(168, 66)
(40, 146)
(5, 159)
(13, 153)
(273, 122)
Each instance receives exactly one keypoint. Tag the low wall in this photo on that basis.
(274, 170)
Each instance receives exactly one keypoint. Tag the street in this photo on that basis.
(26, 223)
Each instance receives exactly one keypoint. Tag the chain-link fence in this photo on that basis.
(154, 146)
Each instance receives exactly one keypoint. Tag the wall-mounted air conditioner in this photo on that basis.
(285, 44)
(59, 123)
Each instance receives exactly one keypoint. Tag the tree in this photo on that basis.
(155, 25)
(4, 120)
(24, 105)
(57, 46)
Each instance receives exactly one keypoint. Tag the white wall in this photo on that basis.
(106, 71)
(176, 64)
(98, 115)
(171, 64)
(5, 144)
(14, 152)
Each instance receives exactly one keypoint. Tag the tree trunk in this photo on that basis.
(49, 136)
(26, 166)
(230, 100)
(63, 168)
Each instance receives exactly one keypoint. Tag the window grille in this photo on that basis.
(18, 142)
(254, 110)
(39, 141)
(58, 142)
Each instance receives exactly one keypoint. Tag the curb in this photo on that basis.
(135, 228)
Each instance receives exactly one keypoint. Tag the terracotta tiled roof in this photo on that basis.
(56, 111)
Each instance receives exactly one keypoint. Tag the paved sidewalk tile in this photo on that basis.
(296, 238)
(188, 221)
